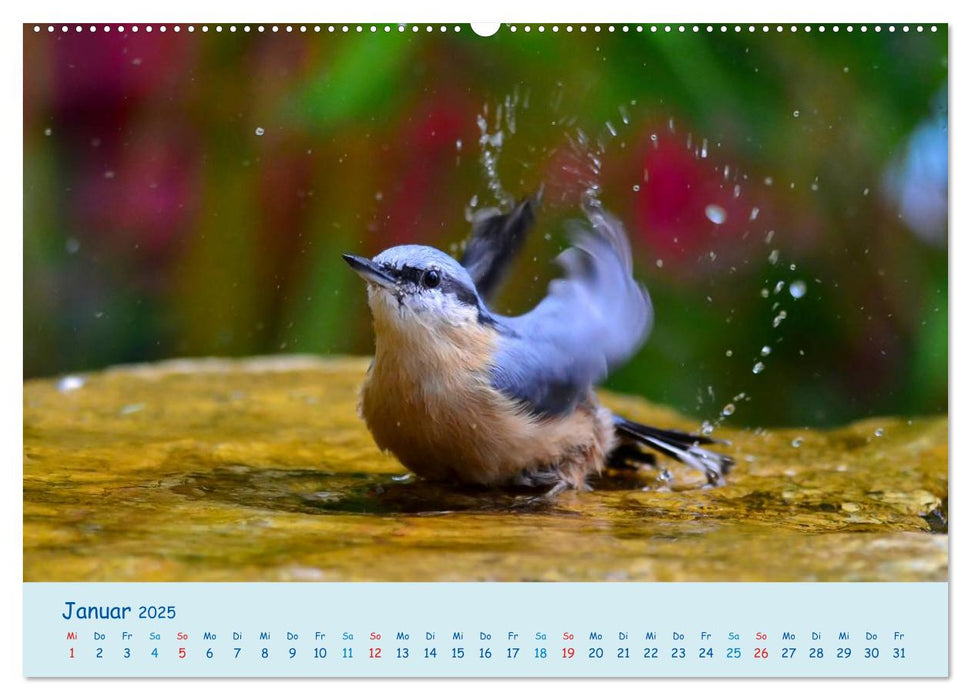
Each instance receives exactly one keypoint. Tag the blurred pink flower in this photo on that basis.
(687, 205)
(420, 168)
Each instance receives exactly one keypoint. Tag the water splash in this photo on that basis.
(70, 383)
(797, 289)
(715, 214)
(490, 147)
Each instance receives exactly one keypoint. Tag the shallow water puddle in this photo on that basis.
(260, 469)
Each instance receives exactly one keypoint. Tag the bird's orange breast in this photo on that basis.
(428, 400)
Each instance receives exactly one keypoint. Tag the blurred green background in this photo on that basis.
(190, 194)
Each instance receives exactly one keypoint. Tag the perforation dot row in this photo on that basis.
(359, 28)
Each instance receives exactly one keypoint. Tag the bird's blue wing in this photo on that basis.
(496, 239)
(591, 320)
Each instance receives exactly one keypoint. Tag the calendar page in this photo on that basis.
(495, 350)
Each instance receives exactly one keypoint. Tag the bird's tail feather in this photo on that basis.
(683, 447)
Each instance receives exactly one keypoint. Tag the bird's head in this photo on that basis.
(414, 287)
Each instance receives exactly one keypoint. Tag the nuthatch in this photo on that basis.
(459, 393)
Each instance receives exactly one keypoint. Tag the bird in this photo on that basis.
(459, 393)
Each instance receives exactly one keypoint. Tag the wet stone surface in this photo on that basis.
(261, 469)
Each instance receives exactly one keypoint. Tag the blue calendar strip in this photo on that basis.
(485, 629)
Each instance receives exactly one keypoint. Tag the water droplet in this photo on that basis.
(768, 181)
(774, 257)
(769, 236)
(458, 145)
(728, 410)
(707, 428)
(636, 188)
(757, 368)
(704, 148)
(878, 432)
(764, 293)
(402, 478)
(611, 129)
(737, 191)
(70, 383)
(259, 131)
(766, 351)
(660, 263)
(754, 215)
(778, 287)
(866, 191)
(715, 214)
(780, 317)
(131, 408)
(72, 245)
(797, 289)
(797, 441)
(47, 131)
(795, 113)
(728, 353)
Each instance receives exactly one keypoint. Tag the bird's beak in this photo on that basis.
(370, 271)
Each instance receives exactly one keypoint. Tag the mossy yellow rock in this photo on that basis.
(261, 470)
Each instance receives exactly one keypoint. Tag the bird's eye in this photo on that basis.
(431, 279)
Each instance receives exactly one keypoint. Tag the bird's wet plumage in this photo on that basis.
(458, 392)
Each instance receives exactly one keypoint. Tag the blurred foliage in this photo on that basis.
(190, 195)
